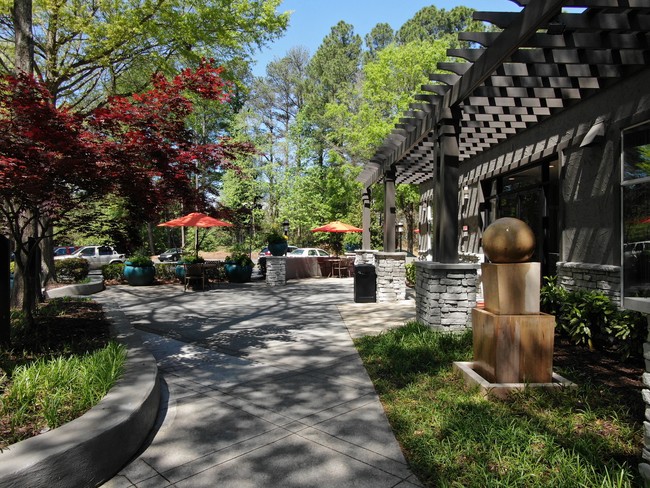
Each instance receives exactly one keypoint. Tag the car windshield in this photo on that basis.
(298, 252)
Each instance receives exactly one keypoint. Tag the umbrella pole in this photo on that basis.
(196, 241)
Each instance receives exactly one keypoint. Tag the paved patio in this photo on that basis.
(263, 387)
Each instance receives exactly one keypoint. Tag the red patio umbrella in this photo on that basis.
(195, 219)
(337, 226)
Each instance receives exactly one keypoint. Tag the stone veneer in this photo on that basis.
(644, 466)
(276, 270)
(391, 276)
(445, 294)
(599, 277)
(365, 256)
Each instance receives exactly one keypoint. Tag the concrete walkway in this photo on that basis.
(262, 387)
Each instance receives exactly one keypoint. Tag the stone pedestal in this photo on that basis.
(276, 270)
(513, 348)
(391, 276)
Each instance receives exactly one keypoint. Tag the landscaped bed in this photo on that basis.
(452, 436)
(58, 371)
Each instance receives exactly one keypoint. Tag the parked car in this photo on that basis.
(309, 252)
(261, 258)
(173, 254)
(97, 256)
(63, 250)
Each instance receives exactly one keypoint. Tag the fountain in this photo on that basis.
(513, 340)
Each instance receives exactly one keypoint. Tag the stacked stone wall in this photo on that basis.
(598, 277)
(276, 270)
(445, 295)
(391, 276)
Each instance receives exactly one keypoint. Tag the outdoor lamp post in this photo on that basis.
(400, 231)
(285, 227)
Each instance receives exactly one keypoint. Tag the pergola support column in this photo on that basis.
(446, 227)
(389, 211)
(365, 219)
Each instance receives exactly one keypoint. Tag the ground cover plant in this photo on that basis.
(452, 436)
(57, 372)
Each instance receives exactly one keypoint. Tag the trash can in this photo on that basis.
(365, 283)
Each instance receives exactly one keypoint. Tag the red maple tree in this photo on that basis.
(138, 147)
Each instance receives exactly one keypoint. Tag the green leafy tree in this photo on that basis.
(84, 49)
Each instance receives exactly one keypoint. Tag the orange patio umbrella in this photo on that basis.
(195, 219)
(337, 226)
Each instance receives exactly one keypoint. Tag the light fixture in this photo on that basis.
(466, 192)
(285, 227)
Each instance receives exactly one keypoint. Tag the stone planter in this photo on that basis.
(278, 248)
(237, 273)
(139, 275)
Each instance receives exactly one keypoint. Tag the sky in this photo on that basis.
(312, 20)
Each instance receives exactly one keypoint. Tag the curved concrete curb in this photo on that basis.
(94, 447)
(95, 286)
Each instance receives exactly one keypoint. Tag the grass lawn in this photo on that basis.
(451, 436)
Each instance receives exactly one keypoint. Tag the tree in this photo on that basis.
(332, 75)
(138, 147)
(381, 36)
(86, 49)
(431, 23)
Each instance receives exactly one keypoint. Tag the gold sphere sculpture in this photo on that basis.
(508, 240)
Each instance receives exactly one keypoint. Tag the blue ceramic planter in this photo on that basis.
(278, 248)
(139, 275)
(238, 274)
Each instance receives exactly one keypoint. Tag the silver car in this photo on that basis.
(97, 256)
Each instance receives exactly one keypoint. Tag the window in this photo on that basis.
(636, 217)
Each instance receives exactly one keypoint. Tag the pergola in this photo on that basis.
(549, 56)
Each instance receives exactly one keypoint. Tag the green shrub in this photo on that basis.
(113, 271)
(410, 274)
(166, 271)
(240, 259)
(589, 317)
(72, 270)
(192, 260)
(139, 260)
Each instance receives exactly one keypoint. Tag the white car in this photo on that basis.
(308, 252)
(97, 256)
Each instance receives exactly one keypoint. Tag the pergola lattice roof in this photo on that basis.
(550, 55)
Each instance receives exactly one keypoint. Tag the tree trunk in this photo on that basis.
(22, 18)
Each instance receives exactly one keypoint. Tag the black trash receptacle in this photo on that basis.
(365, 283)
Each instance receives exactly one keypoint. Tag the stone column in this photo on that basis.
(391, 276)
(276, 270)
(445, 294)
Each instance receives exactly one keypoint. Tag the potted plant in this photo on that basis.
(277, 242)
(180, 268)
(239, 267)
(139, 270)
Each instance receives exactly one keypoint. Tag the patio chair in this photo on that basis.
(194, 273)
(341, 268)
